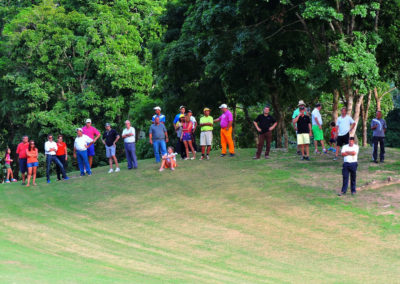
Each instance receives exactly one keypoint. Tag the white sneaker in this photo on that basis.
(117, 170)
(110, 171)
(161, 170)
(192, 158)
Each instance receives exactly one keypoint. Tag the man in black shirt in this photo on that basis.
(304, 132)
(110, 138)
(264, 124)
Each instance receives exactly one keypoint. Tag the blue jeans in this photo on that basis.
(130, 151)
(159, 146)
(53, 159)
(83, 162)
(349, 169)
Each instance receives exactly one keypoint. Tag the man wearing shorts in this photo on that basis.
(344, 125)
(264, 123)
(317, 128)
(22, 158)
(303, 133)
(206, 135)
(294, 115)
(110, 139)
(94, 134)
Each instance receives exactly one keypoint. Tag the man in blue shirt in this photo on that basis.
(159, 115)
(378, 126)
(182, 110)
(158, 137)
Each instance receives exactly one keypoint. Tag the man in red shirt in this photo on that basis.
(22, 158)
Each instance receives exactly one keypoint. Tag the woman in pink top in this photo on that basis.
(8, 161)
(186, 137)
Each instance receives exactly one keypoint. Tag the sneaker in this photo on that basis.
(335, 159)
(89, 175)
(208, 157)
(267, 157)
(201, 158)
(192, 158)
(110, 171)
(117, 170)
(48, 181)
(334, 151)
(256, 158)
(299, 153)
(66, 178)
(172, 169)
(302, 158)
(307, 158)
(375, 161)
(325, 151)
(223, 155)
(317, 152)
(231, 155)
(160, 170)
(341, 194)
(354, 193)
(13, 180)
(7, 181)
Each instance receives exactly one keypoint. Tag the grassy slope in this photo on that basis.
(219, 221)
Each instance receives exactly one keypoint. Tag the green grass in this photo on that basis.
(227, 220)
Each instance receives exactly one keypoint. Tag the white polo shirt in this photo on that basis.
(81, 142)
(50, 145)
(129, 139)
(347, 148)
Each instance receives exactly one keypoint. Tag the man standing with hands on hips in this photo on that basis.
(81, 145)
(226, 120)
(349, 153)
(129, 135)
(110, 138)
(94, 134)
(264, 123)
(158, 137)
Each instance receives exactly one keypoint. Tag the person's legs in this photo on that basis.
(302, 149)
(208, 150)
(8, 174)
(186, 148)
(48, 165)
(156, 147)
(353, 177)
(163, 146)
(268, 143)
(134, 158)
(307, 150)
(58, 171)
(34, 175)
(375, 141)
(345, 174)
(86, 162)
(81, 163)
(192, 149)
(58, 163)
(61, 158)
(260, 145)
(162, 165)
(29, 176)
(223, 142)
(316, 145)
(230, 141)
(128, 155)
(382, 145)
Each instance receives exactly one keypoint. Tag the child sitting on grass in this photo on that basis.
(169, 160)
(332, 140)
(8, 160)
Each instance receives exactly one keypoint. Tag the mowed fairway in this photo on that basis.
(227, 220)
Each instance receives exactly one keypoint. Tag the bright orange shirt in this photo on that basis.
(32, 156)
(62, 149)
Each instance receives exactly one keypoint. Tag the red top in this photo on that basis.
(21, 150)
(62, 149)
(333, 133)
(188, 126)
(33, 156)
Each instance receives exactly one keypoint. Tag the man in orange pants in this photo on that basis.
(226, 120)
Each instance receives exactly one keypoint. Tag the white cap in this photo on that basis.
(223, 106)
(88, 120)
(157, 108)
(79, 129)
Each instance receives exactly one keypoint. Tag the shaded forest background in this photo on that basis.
(64, 61)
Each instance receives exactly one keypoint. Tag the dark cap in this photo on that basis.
(351, 138)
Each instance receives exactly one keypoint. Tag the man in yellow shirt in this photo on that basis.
(206, 136)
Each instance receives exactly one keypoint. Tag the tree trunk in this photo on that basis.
(279, 118)
(250, 124)
(357, 110)
(365, 109)
(335, 105)
(377, 99)
(350, 102)
(285, 134)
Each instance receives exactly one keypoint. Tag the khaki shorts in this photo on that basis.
(206, 138)
(303, 138)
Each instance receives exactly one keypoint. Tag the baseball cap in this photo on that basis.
(205, 109)
(108, 124)
(88, 120)
(79, 129)
(301, 103)
(190, 111)
(181, 107)
(182, 115)
(223, 106)
(157, 108)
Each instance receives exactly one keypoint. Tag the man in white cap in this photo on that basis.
(94, 134)
(158, 114)
(296, 114)
(226, 120)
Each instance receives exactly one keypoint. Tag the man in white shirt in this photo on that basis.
(82, 143)
(50, 149)
(349, 154)
(129, 136)
(317, 128)
(344, 126)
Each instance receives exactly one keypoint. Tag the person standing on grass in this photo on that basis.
(186, 137)
(22, 159)
(378, 126)
(296, 114)
(303, 133)
(129, 136)
(317, 129)
(265, 124)
(158, 137)
(50, 148)
(345, 124)
(62, 155)
(7, 164)
(180, 147)
(226, 121)
(206, 135)
(94, 134)
(81, 145)
(332, 140)
(158, 114)
(194, 127)
(182, 110)
(349, 154)
(32, 155)
(110, 139)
